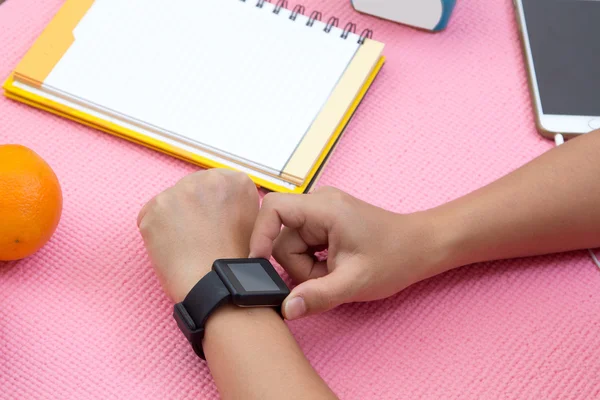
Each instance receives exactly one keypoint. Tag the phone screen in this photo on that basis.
(564, 36)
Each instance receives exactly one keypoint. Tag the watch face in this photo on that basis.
(252, 282)
(253, 277)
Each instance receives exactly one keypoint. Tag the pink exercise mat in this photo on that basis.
(85, 317)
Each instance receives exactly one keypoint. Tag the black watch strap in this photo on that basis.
(205, 297)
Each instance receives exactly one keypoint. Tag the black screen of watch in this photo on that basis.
(253, 277)
(252, 282)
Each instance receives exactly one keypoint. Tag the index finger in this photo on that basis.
(279, 209)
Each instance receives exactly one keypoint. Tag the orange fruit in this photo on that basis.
(30, 202)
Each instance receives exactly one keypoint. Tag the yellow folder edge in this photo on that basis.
(53, 107)
(52, 44)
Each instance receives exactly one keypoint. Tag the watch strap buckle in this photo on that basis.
(187, 326)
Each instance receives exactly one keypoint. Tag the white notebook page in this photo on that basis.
(223, 73)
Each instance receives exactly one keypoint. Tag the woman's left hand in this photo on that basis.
(207, 215)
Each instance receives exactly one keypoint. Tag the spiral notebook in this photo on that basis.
(249, 85)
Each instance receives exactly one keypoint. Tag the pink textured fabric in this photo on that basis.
(85, 317)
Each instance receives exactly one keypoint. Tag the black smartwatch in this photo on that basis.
(245, 282)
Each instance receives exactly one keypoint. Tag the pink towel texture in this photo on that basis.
(85, 317)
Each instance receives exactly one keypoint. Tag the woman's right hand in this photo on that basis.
(372, 253)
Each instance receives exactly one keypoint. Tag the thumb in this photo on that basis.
(319, 295)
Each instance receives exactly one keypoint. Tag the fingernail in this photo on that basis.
(295, 308)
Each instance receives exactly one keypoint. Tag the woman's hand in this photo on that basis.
(372, 253)
(210, 215)
(206, 215)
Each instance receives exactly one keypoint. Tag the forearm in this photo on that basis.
(551, 204)
(252, 355)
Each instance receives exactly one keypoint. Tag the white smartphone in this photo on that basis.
(561, 43)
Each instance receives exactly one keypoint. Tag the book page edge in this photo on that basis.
(331, 116)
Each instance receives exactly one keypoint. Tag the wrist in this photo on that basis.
(233, 289)
(439, 241)
(179, 290)
(450, 239)
(184, 283)
(230, 318)
(222, 318)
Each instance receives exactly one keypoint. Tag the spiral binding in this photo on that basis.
(316, 16)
